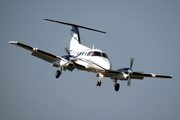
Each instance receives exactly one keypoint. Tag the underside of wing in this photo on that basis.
(139, 74)
(45, 56)
(113, 74)
(37, 52)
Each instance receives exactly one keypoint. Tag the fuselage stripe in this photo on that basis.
(85, 60)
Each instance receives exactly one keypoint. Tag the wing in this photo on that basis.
(41, 54)
(139, 74)
(113, 74)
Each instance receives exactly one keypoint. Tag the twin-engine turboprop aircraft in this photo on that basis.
(87, 59)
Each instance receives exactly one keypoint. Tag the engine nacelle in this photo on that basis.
(122, 76)
(65, 63)
(62, 63)
(56, 63)
(124, 73)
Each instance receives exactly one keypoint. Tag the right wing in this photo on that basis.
(55, 60)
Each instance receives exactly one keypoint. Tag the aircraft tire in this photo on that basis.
(58, 73)
(98, 83)
(117, 86)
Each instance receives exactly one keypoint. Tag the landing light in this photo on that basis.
(35, 49)
(153, 75)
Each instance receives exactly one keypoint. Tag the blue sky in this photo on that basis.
(148, 31)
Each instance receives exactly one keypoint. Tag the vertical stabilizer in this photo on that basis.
(75, 40)
(75, 43)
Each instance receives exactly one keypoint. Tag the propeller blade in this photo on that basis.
(130, 73)
(129, 81)
(67, 50)
(131, 63)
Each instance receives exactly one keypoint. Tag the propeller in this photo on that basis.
(130, 72)
(131, 64)
(67, 50)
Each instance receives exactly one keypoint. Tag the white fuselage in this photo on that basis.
(92, 60)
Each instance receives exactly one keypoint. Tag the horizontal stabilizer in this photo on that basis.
(75, 25)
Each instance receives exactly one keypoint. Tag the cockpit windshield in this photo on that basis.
(104, 55)
(97, 53)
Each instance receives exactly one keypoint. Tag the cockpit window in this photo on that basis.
(95, 53)
(104, 55)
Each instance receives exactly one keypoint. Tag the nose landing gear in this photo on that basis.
(100, 75)
(98, 83)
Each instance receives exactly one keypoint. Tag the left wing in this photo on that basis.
(113, 74)
(138, 74)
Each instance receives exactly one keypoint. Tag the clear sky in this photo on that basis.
(147, 30)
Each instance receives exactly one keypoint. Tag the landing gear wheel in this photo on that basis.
(117, 86)
(98, 83)
(58, 73)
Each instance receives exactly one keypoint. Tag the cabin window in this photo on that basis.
(80, 53)
(89, 54)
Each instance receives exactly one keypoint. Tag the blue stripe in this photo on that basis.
(76, 30)
(91, 63)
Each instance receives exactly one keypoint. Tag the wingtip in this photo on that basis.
(13, 42)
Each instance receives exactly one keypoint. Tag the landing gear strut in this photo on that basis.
(100, 79)
(58, 73)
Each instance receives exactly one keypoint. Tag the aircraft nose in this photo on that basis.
(107, 65)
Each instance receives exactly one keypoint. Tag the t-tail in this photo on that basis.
(75, 43)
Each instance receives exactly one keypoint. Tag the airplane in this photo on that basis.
(87, 59)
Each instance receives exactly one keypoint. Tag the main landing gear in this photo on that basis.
(116, 85)
(58, 73)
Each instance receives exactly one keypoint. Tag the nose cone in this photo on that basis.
(106, 64)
